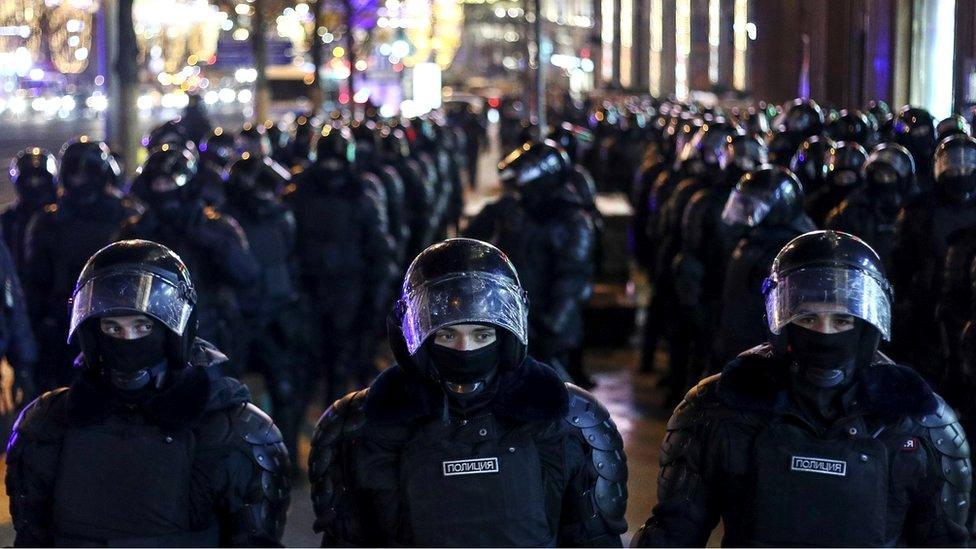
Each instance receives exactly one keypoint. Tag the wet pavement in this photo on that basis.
(632, 398)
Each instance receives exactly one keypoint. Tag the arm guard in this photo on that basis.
(32, 456)
(572, 254)
(597, 496)
(685, 514)
(256, 517)
(336, 515)
(939, 515)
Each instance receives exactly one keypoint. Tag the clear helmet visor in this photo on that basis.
(828, 290)
(139, 292)
(744, 209)
(955, 162)
(464, 298)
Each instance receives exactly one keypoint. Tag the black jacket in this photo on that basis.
(391, 466)
(892, 470)
(196, 464)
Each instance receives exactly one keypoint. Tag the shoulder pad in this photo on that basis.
(264, 443)
(44, 418)
(696, 404)
(606, 449)
(943, 429)
(949, 440)
(344, 417)
(226, 224)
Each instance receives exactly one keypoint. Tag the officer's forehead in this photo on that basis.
(125, 319)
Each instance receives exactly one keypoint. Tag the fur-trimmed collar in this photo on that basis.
(758, 380)
(531, 392)
(184, 399)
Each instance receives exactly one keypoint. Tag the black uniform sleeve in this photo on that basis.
(687, 510)
(33, 453)
(596, 496)
(483, 226)
(939, 508)
(340, 516)
(22, 351)
(224, 236)
(572, 270)
(39, 263)
(379, 253)
(253, 487)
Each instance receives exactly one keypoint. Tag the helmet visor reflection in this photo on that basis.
(464, 298)
(744, 209)
(828, 290)
(139, 292)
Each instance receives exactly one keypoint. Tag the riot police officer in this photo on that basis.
(768, 205)
(149, 446)
(34, 175)
(870, 212)
(924, 230)
(809, 164)
(212, 243)
(844, 163)
(370, 163)
(418, 191)
(552, 243)
(271, 333)
(345, 257)
(914, 129)
(815, 438)
(467, 441)
(707, 244)
(87, 216)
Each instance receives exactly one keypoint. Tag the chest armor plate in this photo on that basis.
(470, 485)
(123, 480)
(817, 492)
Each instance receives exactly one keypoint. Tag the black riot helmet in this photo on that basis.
(810, 162)
(218, 148)
(575, 140)
(538, 167)
(459, 281)
(756, 123)
(335, 147)
(393, 144)
(708, 143)
(303, 137)
(165, 180)
(954, 168)
(803, 117)
(135, 277)
(844, 162)
(851, 126)
(170, 132)
(33, 173)
(782, 147)
(255, 182)
(740, 155)
(879, 111)
(953, 125)
(87, 169)
(829, 272)
(768, 196)
(914, 128)
(890, 164)
(253, 138)
(366, 139)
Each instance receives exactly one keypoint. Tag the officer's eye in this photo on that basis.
(144, 327)
(445, 336)
(807, 320)
(843, 321)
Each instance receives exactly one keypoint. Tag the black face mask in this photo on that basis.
(959, 188)
(464, 367)
(130, 363)
(825, 360)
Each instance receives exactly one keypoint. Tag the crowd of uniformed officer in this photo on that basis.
(281, 251)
